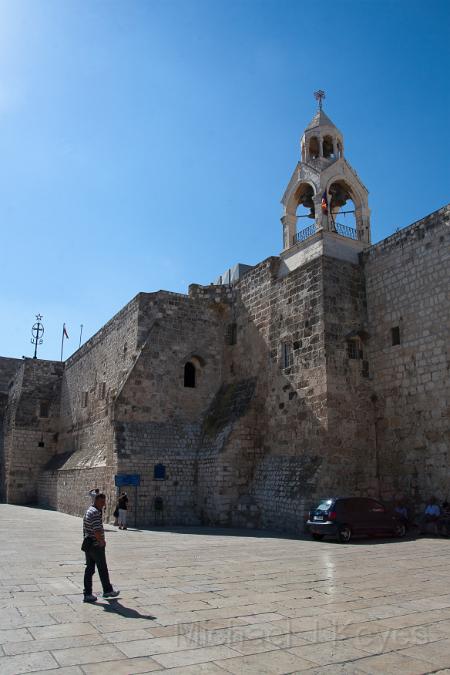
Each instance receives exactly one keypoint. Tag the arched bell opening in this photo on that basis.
(344, 210)
(327, 147)
(314, 147)
(305, 209)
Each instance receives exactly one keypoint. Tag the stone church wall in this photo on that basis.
(351, 464)
(257, 440)
(31, 430)
(158, 419)
(8, 370)
(91, 381)
(408, 282)
(286, 440)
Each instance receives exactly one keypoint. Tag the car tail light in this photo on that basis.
(332, 515)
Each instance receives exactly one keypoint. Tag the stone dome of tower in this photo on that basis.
(320, 119)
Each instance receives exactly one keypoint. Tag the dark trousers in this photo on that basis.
(95, 555)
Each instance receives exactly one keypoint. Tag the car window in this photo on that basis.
(349, 505)
(360, 505)
(374, 506)
(325, 505)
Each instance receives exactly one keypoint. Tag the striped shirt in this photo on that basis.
(92, 522)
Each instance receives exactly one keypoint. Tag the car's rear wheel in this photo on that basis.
(317, 537)
(344, 534)
(400, 530)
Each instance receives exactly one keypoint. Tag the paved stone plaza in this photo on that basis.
(209, 601)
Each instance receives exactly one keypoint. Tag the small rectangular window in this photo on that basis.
(287, 355)
(354, 350)
(44, 409)
(395, 335)
(102, 390)
(84, 399)
(231, 335)
(159, 472)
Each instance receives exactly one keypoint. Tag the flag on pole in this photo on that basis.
(64, 335)
(324, 202)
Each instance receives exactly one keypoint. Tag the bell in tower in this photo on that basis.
(326, 186)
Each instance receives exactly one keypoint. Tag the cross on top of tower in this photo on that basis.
(319, 95)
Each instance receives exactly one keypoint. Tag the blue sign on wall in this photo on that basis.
(127, 479)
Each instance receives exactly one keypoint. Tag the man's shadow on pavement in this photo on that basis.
(114, 606)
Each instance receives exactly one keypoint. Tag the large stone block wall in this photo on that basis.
(158, 419)
(175, 329)
(67, 489)
(31, 437)
(408, 286)
(287, 440)
(255, 442)
(8, 370)
(94, 375)
(92, 380)
(143, 445)
(351, 465)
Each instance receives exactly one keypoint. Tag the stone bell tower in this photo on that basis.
(324, 182)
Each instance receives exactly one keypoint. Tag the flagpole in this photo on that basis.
(62, 342)
(81, 333)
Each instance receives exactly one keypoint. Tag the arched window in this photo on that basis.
(189, 375)
(343, 209)
(314, 147)
(327, 146)
(305, 212)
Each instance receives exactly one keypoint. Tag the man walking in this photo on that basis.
(94, 548)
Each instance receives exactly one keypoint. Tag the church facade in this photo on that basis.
(324, 370)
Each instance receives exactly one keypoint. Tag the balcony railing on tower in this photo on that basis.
(343, 230)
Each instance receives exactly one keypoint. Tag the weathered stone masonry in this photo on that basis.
(323, 370)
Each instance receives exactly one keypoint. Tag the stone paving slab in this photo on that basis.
(205, 601)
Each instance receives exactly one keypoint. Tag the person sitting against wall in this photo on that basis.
(123, 506)
(430, 517)
(402, 511)
(444, 520)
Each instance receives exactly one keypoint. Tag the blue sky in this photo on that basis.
(146, 145)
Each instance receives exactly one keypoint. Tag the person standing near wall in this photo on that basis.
(94, 548)
(123, 507)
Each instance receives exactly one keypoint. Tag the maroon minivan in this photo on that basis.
(343, 517)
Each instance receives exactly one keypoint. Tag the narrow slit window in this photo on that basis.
(44, 409)
(287, 355)
(231, 337)
(395, 335)
(189, 375)
(84, 399)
